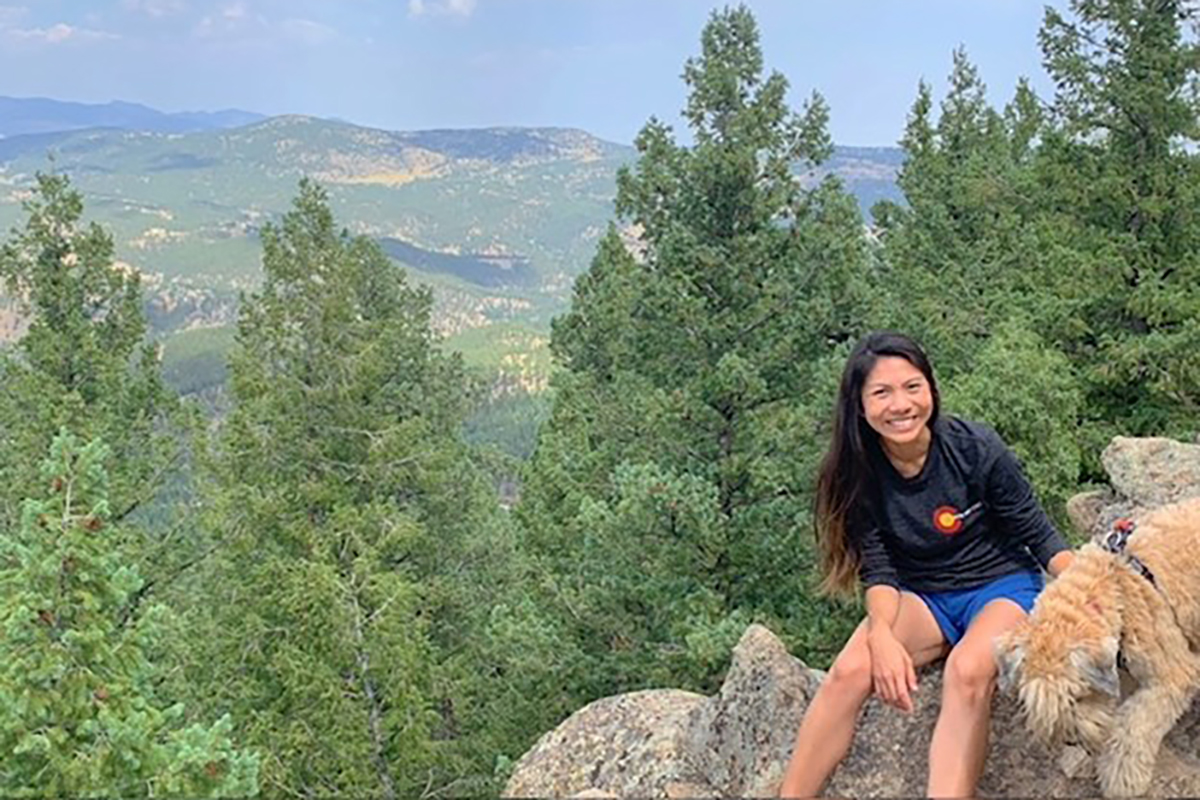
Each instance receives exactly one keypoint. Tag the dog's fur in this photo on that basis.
(1063, 658)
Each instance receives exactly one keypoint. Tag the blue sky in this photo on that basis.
(601, 65)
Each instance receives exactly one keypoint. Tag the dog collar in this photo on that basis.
(1114, 542)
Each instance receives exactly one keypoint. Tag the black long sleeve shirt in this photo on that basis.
(967, 518)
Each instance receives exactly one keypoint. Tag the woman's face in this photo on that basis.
(897, 400)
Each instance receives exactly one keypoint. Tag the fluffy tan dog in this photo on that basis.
(1063, 658)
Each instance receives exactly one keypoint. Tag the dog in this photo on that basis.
(1137, 602)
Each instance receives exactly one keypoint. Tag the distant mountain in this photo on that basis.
(482, 210)
(498, 221)
(32, 115)
(337, 152)
(869, 173)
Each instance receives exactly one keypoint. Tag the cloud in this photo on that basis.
(457, 8)
(232, 21)
(241, 24)
(12, 31)
(306, 31)
(155, 8)
(59, 34)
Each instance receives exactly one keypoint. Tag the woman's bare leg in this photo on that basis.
(960, 738)
(828, 727)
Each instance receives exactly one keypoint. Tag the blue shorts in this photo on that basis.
(955, 610)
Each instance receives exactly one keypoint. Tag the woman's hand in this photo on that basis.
(892, 672)
(1060, 562)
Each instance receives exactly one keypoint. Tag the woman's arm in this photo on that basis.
(883, 603)
(893, 675)
(875, 562)
(1010, 496)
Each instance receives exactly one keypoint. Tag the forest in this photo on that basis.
(319, 594)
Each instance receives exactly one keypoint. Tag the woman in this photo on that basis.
(933, 516)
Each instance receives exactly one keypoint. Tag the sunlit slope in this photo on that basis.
(538, 195)
(497, 221)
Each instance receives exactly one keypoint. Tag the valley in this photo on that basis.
(498, 222)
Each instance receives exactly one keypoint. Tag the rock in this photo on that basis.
(745, 733)
(622, 746)
(1152, 472)
(682, 791)
(736, 742)
(1145, 473)
(672, 744)
(889, 757)
(1074, 762)
(664, 743)
(1085, 509)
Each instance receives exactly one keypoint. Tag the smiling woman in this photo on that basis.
(934, 517)
(898, 404)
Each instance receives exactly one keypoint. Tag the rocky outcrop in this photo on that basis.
(628, 743)
(673, 744)
(736, 743)
(734, 739)
(1152, 472)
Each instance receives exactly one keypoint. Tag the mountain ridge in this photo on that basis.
(25, 115)
(497, 221)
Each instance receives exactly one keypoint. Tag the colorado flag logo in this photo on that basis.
(949, 520)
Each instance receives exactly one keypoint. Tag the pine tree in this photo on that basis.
(958, 254)
(967, 263)
(1121, 173)
(668, 490)
(85, 364)
(79, 716)
(1027, 390)
(352, 523)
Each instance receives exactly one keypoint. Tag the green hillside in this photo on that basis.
(533, 193)
(497, 221)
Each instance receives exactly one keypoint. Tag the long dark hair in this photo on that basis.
(846, 468)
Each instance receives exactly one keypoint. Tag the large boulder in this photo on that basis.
(889, 757)
(1144, 474)
(667, 743)
(628, 745)
(738, 740)
(672, 744)
(1152, 472)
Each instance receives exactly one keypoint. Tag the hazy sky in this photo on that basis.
(601, 65)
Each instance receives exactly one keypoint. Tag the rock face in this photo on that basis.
(1144, 474)
(667, 743)
(628, 744)
(738, 741)
(1152, 472)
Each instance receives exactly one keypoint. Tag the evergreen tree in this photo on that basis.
(356, 530)
(1075, 222)
(958, 254)
(668, 493)
(1120, 171)
(1028, 392)
(966, 264)
(84, 364)
(78, 711)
